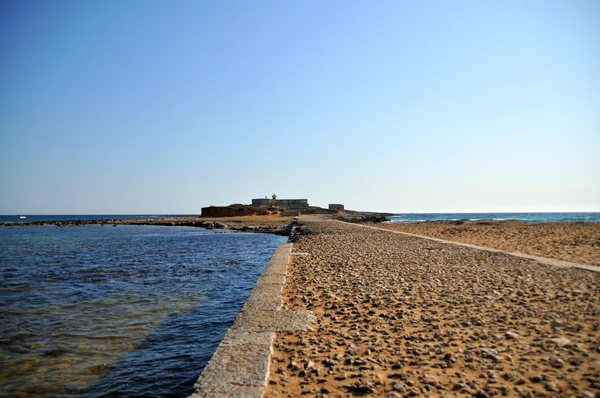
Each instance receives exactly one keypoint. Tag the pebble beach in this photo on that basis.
(401, 316)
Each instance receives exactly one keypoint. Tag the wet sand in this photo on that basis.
(574, 242)
(403, 316)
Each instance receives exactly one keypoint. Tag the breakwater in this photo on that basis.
(240, 365)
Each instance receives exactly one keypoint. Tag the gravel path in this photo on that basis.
(402, 316)
(577, 242)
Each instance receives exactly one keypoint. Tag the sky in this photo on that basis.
(164, 107)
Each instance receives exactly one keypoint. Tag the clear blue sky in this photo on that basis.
(423, 106)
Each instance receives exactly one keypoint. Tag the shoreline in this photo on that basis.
(273, 224)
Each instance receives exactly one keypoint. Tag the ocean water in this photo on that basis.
(15, 218)
(526, 217)
(125, 311)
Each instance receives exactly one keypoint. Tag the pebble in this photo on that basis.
(559, 341)
(551, 387)
(536, 378)
(556, 363)
(398, 387)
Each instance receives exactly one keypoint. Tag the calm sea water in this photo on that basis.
(119, 311)
(527, 217)
(53, 217)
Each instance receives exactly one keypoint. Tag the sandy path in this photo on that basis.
(575, 242)
(402, 316)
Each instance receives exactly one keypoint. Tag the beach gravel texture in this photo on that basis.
(400, 316)
(577, 242)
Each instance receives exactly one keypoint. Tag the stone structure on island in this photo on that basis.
(337, 207)
(286, 203)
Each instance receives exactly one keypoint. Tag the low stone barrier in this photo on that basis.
(240, 365)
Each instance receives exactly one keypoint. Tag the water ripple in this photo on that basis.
(125, 311)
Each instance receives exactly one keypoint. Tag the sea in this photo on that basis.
(525, 217)
(131, 310)
(119, 311)
(70, 217)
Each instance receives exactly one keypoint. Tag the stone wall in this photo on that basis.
(295, 203)
(229, 211)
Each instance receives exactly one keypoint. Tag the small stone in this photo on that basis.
(459, 387)
(489, 353)
(522, 392)
(398, 387)
(536, 378)
(511, 335)
(551, 387)
(556, 363)
(397, 365)
(361, 388)
(560, 341)
(482, 394)
(413, 392)
(400, 376)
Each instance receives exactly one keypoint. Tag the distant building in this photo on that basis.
(337, 207)
(286, 203)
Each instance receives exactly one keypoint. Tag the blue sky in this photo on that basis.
(423, 106)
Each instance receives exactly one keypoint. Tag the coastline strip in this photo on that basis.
(539, 259)
(240, 365)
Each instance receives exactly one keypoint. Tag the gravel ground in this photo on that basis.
(402, 316)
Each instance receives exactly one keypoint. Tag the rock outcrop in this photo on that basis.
(232, 211)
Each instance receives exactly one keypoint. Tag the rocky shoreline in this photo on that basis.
(257, 224)
(401, 316)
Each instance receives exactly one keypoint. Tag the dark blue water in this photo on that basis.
(526, 217)
(54, 218)
(119, 311)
